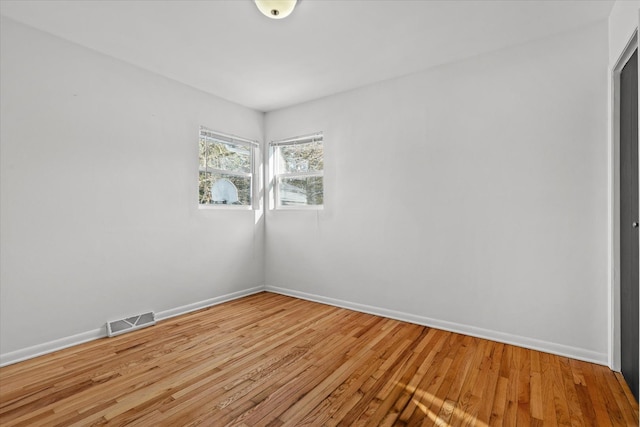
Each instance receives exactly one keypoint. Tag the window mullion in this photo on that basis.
(300, 174)
(230, 172)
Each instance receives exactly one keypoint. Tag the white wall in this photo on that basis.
(99, 214)
(623, 21)
(472, 196)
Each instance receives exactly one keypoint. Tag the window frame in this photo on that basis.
(224, 138)
(277, 175)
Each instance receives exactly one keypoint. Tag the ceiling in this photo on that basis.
(227, 48)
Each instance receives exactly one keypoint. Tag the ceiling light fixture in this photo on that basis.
(276, 9)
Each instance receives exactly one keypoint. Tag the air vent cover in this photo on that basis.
(129, 324)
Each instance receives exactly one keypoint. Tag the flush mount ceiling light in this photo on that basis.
(276, 9)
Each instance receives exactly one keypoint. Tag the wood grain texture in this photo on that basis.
(272, 360)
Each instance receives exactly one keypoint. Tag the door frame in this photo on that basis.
(614, 205)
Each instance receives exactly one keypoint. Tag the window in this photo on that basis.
(298, 165)
(226, 169)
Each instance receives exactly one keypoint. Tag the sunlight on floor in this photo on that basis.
(422, 399)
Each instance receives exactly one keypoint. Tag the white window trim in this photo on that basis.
(233, 139)
(276, 176)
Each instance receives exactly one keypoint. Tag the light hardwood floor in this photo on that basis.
(272, 360)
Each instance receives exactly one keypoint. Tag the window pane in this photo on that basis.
(224, 189)
(227, 156)
(202, 153)
(300, 157)
(301, 191)
(205, 179)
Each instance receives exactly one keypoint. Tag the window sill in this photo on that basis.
(225, 207)
(299, 208)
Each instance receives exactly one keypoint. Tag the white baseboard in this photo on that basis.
(545, 346)
(51, 346)
(62, 343)
(517, 340)
(162, 315)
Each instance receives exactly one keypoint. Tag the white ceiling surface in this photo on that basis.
(227, 48)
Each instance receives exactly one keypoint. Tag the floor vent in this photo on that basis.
(129, 324)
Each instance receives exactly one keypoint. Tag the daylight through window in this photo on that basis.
(226, 169)
(298, 165)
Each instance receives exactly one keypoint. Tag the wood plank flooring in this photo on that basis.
(271, 360)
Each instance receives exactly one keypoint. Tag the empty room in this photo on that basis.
(319, 212)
